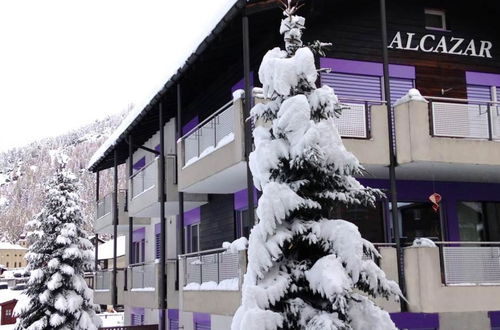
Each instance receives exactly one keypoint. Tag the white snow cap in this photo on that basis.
(235, 246)
(423, 242)
(412, 95)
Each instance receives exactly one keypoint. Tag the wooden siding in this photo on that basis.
(217, 222)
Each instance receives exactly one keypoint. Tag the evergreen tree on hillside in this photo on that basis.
(57, 296)
(306, 269)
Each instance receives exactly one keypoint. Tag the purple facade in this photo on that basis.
(241, 199)
(415, 320)
(367, 68)
(192, 216)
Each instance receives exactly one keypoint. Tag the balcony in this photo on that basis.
(217, 275)
(143, 283)
(454, 277)
(104, 220)
(144, 196)
(450, 139)
(103, 286)
(212, 275)
(212, 155)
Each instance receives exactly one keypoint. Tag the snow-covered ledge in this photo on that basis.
(412, 95)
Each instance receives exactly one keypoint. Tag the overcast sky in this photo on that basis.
(64, 63)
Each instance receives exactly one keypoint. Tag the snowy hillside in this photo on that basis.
(24, 172)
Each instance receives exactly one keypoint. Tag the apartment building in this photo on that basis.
(188, 183)
(12, 255)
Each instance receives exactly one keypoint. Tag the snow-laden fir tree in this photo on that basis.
(306, 269)
(57, 296)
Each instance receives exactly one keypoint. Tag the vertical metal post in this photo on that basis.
(162, 282)
(181, 194)
(246, 113)
(490, 128)
(130, 219)
(96, 237)
(392, 155)
(115, 227)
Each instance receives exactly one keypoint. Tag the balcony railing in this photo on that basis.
(145, 178)
(464, 118)
(211, 269)
(470, 263)
(105, 204)
(212, 133)
(103, 280)
(143, 276)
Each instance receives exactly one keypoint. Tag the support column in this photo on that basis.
(162, 282)
(181, 194)
(130, 219)
(246, 114)
(392, 155)
(115, 227)
(96, 236)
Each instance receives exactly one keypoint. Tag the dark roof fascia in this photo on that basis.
(236, 9)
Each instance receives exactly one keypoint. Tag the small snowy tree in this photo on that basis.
(57, 296)
(306, 270)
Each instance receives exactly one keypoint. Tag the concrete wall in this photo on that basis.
(374, 151)
(464, 321)
(414, 142)
(427, 294)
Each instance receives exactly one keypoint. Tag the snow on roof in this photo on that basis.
(105, 250)
(203, 32)
(8, 295)
(10, 246)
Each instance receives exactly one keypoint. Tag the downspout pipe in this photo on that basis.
(115, 229)
(161, 179)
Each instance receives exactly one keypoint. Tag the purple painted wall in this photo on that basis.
(190, 125)
(483, 79)
(241, 199)
(494, 318)
(201, 318)
(192, 216)
(173, 314)
(138, 235)
(139, 164)
(367, 68)
(451, 192)
(415, 320)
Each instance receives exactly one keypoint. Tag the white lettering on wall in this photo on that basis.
(445, 45)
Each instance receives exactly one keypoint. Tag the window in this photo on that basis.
(137, 319)
(435, 19)
(138, 251)
(157, 245)
(8, 312)
(369, 220)
(479, 221)
(418, 219)
(193, 238)
(243, 223)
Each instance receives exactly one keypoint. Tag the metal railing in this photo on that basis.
(213, 132)
(470, 263)
(464, 118)
(355, 119)
(89, 279)
(145, 178)
(103, 279)
(142, 276)
(214, 265)
(105, 204)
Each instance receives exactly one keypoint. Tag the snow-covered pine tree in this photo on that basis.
(306, 269)
(57, 296)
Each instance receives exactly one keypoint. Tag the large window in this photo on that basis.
(193, 238)
(435, 19)
(418, 219)
(479, 221)
(370, 221)
(139, 251)
(244, 223)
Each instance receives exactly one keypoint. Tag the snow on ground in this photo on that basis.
(3, 200)
(231, 284)
(8, 327)
(3, 178)
(105, 250)
(225, 140)
(7, 295)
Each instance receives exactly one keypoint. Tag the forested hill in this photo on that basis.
(25, 171)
